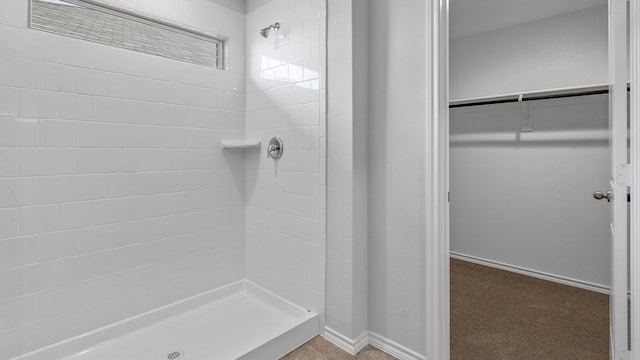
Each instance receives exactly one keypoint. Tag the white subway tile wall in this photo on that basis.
(285, 239)
(115, 197)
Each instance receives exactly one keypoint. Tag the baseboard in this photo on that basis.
(393, 348)
(352, 346)
(533, 273)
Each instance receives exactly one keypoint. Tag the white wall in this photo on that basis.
(360, 163)
(285, 198)
(562, 51)
(347, 258)
(498, 174)
(115, 197)
(376, 89)
(525, 199)
(397, 113)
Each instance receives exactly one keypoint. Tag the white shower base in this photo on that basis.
(239, 321)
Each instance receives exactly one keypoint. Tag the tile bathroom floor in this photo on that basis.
(320, 349)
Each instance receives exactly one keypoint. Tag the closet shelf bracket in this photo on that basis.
(526, 125)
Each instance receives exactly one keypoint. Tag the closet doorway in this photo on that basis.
(531, 161)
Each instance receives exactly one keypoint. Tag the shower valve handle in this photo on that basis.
(275, 148)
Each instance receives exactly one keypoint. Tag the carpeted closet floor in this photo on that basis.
(499, 315)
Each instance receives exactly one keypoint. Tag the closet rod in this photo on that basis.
(532, 98)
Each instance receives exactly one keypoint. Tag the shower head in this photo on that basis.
(265, 32)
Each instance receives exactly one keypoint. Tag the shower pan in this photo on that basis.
(239, 321)
(140, 216)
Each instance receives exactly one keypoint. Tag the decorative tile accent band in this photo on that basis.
(107, 26)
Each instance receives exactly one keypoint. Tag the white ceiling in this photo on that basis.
(243, 6)
(254, 4)
(470, 17)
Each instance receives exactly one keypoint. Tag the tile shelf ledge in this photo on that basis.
(240, 144)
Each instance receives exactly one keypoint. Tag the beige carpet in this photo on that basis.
(320, 349)
(499, 315)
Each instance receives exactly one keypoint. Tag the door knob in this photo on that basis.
(599, 195)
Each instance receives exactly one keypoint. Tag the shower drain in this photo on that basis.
(174, 355)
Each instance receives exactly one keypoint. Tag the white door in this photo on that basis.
(618, 65)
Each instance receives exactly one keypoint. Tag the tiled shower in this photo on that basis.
(116, 197)
(285, 201)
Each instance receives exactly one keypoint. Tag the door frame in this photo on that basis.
(634, 250)
(437, 180)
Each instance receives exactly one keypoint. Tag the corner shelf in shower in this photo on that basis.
(240, 144)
